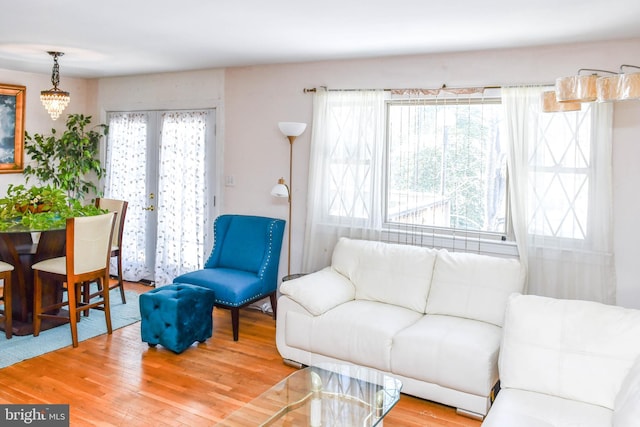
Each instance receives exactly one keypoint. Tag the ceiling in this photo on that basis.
(126, 37)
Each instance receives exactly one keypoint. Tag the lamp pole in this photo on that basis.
(291, 130)
(291, 139)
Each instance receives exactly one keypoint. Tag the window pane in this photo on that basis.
(560, 162)
(446, 165)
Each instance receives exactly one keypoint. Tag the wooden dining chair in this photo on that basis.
(120, 208)
(88, 251)
(6, 313)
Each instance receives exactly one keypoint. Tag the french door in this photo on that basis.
(162, 163)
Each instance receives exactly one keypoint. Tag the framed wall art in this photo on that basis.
(12, 99)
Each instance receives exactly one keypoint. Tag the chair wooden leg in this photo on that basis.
(235, 322)
(86, 296)
(6, 297)
(37, 303)
(80, 300)
(107, 304)
(120, 280)
(73, 312)
(274, 304)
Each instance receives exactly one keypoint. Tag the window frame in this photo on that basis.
(432, 230)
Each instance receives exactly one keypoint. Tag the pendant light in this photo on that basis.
(54, 99)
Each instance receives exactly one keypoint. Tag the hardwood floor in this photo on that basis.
(118, 380)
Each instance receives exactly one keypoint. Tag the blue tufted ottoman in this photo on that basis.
(176, 316)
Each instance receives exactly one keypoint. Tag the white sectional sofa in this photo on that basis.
(568, 363)
(431, 318)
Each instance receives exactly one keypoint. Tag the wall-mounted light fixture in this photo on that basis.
(55, 100)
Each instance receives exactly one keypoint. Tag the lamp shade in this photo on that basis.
(551, 105)
(280, 189)
(608, 88)
(292, 128)
(629, 86)
(576, 88)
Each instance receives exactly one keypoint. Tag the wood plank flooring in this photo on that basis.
(118, 380)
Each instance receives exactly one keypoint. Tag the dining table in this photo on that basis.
(22, 247)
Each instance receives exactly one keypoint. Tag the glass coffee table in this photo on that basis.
(324, 395)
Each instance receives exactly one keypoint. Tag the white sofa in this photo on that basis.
(429, 317)
(567, 363)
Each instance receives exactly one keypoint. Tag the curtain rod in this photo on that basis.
(443, 87)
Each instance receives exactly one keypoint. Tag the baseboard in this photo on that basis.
(147, 282)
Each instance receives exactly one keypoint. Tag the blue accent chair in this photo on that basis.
(243, 266)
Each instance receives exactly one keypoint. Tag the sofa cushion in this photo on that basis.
(232, 287)
(520, 408)
(474, 286)
(360, 332)
(319, 291)
(384, 272)
(626, 412)
(452, 352)
(577, 350)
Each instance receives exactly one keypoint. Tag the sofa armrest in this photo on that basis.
(320, 291)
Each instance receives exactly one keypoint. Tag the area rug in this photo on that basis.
(25, 347)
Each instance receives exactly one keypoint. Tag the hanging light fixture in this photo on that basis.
(578, 88)
(620, 87)
(629, 84)
(608, 88)
(54, 99)
(551, 105)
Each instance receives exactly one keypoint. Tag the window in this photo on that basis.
(446, 164)
(560, 166)
(431, 169)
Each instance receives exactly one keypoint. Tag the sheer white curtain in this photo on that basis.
(125, 168)
(345, 178)
(182, 201)
(561, 196)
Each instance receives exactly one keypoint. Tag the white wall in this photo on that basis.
(257, 98)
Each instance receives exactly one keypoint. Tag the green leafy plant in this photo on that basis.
(69, 161)
(40, 208)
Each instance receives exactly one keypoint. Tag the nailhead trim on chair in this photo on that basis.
(215, 239)
(269, 251)
(239, 303)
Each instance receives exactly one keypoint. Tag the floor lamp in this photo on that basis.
(291, 130)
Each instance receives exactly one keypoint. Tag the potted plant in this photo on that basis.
(70, 161)
(40, 208)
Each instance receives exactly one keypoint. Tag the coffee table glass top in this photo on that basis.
(325, 395)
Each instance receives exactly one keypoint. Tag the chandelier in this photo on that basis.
(54, 99)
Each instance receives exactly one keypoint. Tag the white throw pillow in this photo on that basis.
(626, 411)
(320, 291)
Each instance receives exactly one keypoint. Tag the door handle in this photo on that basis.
(149, 208)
